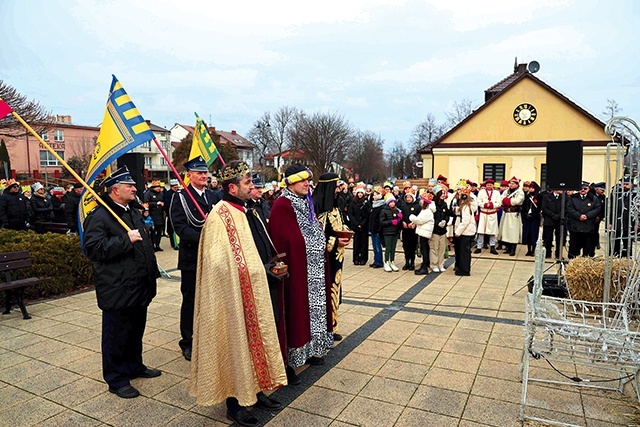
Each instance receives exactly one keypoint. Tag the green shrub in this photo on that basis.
(53, 255)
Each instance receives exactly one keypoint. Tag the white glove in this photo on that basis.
(442, 223)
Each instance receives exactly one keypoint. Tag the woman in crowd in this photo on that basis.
(377, 204)
(464, 232)
(424, 228)
(358, 212)
(409, 236)
(531, 208)
(390, 223)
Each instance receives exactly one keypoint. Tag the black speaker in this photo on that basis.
(135, 163)
(564, 165)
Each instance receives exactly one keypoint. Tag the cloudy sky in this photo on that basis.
(382, 64)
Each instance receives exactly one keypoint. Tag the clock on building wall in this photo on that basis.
(525, 114)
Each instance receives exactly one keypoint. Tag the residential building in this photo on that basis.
(155, 165)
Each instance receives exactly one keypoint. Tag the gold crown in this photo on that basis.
(228, 173)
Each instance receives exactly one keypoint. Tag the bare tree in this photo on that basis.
(459, 111)
(425, 133)
(323, 137)
(83, 151)
(31, 112)
(365, 156)
(260, 134)
(611, 110)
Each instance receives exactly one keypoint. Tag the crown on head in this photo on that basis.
(229, 173)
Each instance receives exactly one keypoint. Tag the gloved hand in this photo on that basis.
(442, 223)
(394, 222)
(400, 216)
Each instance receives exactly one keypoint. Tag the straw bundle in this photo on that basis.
(585, 278)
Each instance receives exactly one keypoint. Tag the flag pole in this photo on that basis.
(63, 163)
(175, 172)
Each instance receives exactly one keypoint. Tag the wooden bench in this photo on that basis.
(55, 227)
(10, 262)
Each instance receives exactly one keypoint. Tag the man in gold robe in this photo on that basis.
(236, 353)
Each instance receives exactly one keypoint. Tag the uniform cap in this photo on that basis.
(120, 176)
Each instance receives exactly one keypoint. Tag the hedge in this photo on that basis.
(53, 255)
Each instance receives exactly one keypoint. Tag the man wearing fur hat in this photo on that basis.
(296, 231)
(511, 224)
(489, 202)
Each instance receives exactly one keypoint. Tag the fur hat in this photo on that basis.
(389, 198)
(37, 186)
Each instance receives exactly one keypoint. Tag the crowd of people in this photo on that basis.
(261, 264)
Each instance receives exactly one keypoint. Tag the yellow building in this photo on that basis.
(508, 134)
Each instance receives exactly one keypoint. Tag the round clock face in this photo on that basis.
(525, 114)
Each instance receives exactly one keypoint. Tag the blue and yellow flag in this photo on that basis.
(123, 129)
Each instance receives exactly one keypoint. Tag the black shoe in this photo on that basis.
(421, 272)
(159, 249)
(149, 373)
(512, 252)
(292, 378)
(499, 247)
(267, 403)
(186, 352)
(242, 417)
(315, 361)
(405, 266)
(477, 251)
(376, 266)
(458, 273)
(485, 246)
(412, 265)
(126, 392)
(493, 251)
(337, 337)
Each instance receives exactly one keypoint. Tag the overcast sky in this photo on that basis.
(382, 64)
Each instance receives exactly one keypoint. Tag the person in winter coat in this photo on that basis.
(582, 211)
(377, 204)
(390, 223)
(441, 216)
(71, 205)
(358, 213)
(58, 205)
(551, 210)
(409, 237)
(147, 220)
(531, 216)
(15, 209)
(424, 229)
(125, 271)
(42, 207)
(155, 199)
(464, 232)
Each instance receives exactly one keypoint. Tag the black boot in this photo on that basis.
(412, 265)
(406, 265)
(493, 250)
(423, 270)
(512, 251)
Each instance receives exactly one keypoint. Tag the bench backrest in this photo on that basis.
(12, 260)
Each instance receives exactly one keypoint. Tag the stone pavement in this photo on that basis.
(436, 350)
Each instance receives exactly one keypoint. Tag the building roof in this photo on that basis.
(286, 154)
(237, 140)
(495, 91)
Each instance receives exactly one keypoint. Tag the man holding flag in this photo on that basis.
(187, 221)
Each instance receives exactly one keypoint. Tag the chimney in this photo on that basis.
(522, 68)
(233, 132)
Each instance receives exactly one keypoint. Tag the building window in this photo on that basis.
(147, 162)
(494, 171)
(146, 145)
(58, 135)
(543, 176)
(47, 159)
(45, 136)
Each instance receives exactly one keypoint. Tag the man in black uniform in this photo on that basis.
(155, 202)
(125, 271)
(187, 223)
(582, 211)
(168, 195)
(256, 201)
(551, 210)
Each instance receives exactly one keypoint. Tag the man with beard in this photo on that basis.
(236, 351)
(511, 224)
(187, 223)
(296, 231)
(325, 200)
(359, 210)
(489, 201)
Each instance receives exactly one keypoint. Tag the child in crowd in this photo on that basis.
(390, 223)
(424, 229)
